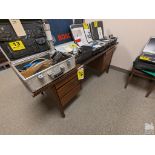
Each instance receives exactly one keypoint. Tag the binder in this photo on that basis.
(97, 30)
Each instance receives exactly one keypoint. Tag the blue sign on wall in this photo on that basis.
(60, 29)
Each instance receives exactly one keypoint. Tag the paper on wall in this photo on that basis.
(100, 34)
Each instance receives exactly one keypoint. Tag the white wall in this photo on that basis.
(132, 36)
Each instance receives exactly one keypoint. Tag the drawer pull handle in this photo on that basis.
(60, 73)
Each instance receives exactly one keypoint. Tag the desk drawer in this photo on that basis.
(67, 87)
(70, 95)
(62, 81)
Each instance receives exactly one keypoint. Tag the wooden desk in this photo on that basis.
(101, 62)
(65, 88)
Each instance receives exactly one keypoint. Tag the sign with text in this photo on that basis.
(60, 29)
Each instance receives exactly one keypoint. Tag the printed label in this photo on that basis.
(144, 58)
(80, 73)
(95, 24)
(17, 45)
(85, 26)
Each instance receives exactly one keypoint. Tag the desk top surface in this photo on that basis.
(77, 66)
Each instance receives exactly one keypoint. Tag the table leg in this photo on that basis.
(150, 89)
(61, 110)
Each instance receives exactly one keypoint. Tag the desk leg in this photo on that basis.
(42, 93)
(107, 70)
(61, 109)
(108, 63)
(108, 59)
(98, 64)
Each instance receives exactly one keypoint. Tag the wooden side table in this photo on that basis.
(138, 73)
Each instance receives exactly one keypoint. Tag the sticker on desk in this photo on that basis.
(144, 58)
(80, 73)
(96, 24)
(17, 45)
(85, 26)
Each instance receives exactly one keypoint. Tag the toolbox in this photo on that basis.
(31, 57)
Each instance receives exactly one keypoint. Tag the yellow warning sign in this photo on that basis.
(95, 24)
(85, 26)
(142, 57)
(17, 45)
(80, 73)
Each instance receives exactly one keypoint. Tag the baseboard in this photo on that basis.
(119, 69)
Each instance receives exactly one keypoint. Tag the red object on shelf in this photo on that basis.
(77, 40)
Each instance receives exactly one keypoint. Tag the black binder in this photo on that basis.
(95, 26)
